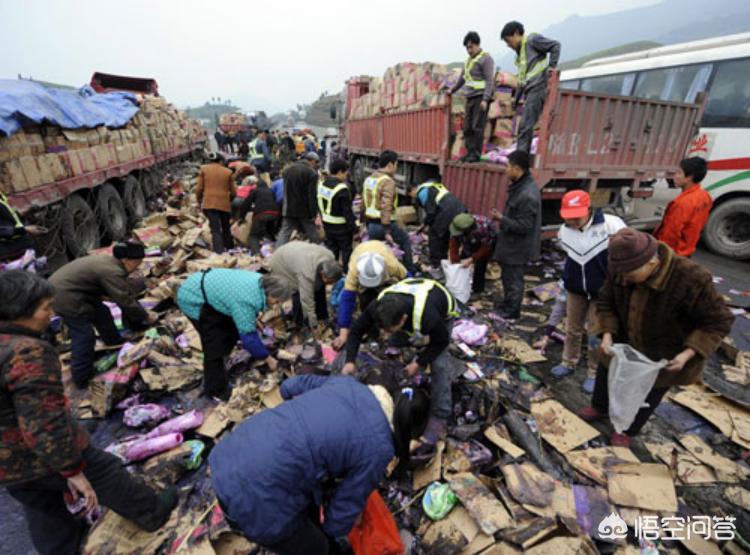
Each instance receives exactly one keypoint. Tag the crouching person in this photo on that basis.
(223, 305)
(413, 306)
(663, 305)
(44, 453)
(269, 473)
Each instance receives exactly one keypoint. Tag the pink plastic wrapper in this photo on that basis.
(128, 402)
(188, 421)
(470, 332)
(138, 415)
(145, 448)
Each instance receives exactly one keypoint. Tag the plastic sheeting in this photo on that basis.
(29, 102)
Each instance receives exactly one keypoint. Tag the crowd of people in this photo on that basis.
(621, 286)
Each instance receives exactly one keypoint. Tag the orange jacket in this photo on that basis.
(215, 187)
(685, 218)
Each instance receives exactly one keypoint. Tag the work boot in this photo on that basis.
(619, 440)
(590, 414)
(560, 371)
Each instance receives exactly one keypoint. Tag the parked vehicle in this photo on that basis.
(718, 67)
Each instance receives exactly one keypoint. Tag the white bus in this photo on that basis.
(720, 67)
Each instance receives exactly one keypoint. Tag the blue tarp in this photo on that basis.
(26, 101)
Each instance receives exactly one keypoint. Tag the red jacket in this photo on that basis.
(685, 218)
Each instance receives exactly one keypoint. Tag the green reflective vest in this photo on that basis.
(254, 154)
(524, 74)
(17, 224)
(370, 193)
(442, 190)
(420, 289)
(325, 202)
(469, 81)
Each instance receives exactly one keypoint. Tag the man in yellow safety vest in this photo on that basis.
(335, 205)
(380, 200)
(479, 79)
(415, 306)
(533, 68)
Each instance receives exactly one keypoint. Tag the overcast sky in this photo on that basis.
(267, 54)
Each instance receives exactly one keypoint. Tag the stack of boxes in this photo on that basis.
(43, 154)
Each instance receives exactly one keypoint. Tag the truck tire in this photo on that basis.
(111, 213)
(728, 229)
(134, 200)
(80, 230)
(150, 183)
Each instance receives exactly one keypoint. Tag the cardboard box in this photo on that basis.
(124, 153)
(73, 162)
(50, 168)
(75, 140)
(15, 176)
(87, 160)
(505, 79)
(102, 157)
(31, 171)
(111, 152)
(92, 136)
(34, 141)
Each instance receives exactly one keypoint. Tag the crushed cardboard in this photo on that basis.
(560, 427)
(642, 485)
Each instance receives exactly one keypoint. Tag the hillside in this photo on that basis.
(616, 51)
(211, 112)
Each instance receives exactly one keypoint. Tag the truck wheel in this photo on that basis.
(134, 200)
(150, 183)
(111, 213)
(728, 229)
(79, 228)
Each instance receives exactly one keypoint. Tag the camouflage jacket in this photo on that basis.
(38, 435)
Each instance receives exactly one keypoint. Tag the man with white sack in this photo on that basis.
(664, 306)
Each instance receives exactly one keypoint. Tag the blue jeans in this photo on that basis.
(376, 231)
(83, 340)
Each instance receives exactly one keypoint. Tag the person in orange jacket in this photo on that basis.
(686, 215)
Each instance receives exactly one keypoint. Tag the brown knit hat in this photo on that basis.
(629, 249)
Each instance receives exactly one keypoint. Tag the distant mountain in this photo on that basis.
(616, 51)
(668, 22)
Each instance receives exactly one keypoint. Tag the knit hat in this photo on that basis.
(131, 250)
(371, 269)
(461, 224)
(629, 249)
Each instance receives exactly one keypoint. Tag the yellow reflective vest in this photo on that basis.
(469, 81)
(524, 74)
(325, 202)
(370, 193)
(419, 289)
(442, 190)
(17, 224)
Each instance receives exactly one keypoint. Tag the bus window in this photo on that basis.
(681, 79)
(700, 83)
(651, 84)
(570, 85)
(609, 84)
(729, 98)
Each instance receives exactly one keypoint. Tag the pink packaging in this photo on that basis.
(188, 421)
(145, 448)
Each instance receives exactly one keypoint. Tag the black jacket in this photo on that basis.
(300, 191)
(520, 237)
(440, 215)
(341, 206)
(260, 200)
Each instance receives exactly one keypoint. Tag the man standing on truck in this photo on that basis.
(520, 237)
(479, 79)
(533, 69)
(380, 203)
(215, 190)
(686, 215)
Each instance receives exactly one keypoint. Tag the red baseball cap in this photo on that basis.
(575, 204)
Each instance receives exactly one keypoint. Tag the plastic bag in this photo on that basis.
(438, 500)
(630, 379)
(377, 533)
(458, 280)
(470, 332)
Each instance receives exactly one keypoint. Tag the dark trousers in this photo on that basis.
(218, 335)
(437, 242)
(221, 233)
(264, 225)
(532, 109)
(480, 273)
(339, 240)
(600, 400)
(512, 277)
(54, 531)
(83, 341)
(305, 226)
(308, 539)
(474, 122)
(376, 231)
(321, 307)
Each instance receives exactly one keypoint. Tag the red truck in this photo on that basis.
(100, 196)
(612, 146)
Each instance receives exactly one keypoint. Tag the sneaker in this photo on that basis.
(619, 440)
(560, 371)
(588, 385)
(589, 414)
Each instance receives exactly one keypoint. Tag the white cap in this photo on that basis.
(371, 268)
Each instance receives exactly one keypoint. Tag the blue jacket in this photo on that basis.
(268, 471)
(586, 264)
